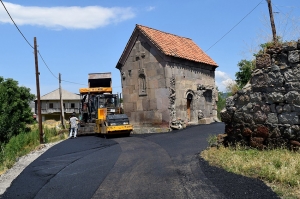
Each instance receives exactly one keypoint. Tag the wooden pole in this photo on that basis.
(38, 92)
(272, 21)
(62, 115)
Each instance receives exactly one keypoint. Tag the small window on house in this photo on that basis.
(72, 105)
(64, 105)
(50, 105)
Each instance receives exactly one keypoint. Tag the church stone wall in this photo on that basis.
(195, 79)
(146, 101)
(265, 113)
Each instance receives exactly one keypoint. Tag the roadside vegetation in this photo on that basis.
(279, 168)
(19, 132)
(24, 143)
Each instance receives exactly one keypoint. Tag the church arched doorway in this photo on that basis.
(189, 100)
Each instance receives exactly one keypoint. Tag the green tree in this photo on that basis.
(244, 73)
(15, 112)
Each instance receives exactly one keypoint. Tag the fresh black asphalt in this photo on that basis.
(165, 165)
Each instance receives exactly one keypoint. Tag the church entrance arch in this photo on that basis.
(189, 106)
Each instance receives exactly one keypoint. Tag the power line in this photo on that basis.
(73, 82)
(54, 75)
(31, 45)
(16, 25)
(234, 26)
(283, 12)
(46, 65)
(38, 51)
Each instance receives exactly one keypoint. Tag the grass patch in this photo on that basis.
(24, 143)
(279, 169)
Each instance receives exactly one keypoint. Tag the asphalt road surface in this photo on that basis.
(150, 166)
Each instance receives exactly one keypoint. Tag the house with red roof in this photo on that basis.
(167, 80)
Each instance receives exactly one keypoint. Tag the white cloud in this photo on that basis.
(74, 17)
(223, 80)
(150, 8)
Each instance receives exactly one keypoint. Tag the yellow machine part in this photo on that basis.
(102, 128)
(95, 90)
(102, 113)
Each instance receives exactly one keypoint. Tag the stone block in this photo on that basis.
(275, 97)
(293, 56)
(238, 117)
(289, 76)
(260, 81)
(248, 118)
(151, 72)
(243, 99)
(272, 118)
(129, 107)
(145, 103)
(148, 116)
(279, 109)
(161, 83)
(289, 46)
(293, 97)
(139, 105)
(205, 121)
(263, 61)
(261, 131)
(153, 104)
(259, 117)
(292, 86)
(247, 132)
(288, 118)
(287, 108)
(276, 79)
(282, 59)
(229, 130)
(133, 97)
(165, 116)
(226, 116)
(273, 108)
(160, 71)
(255, 97)
(153, 83)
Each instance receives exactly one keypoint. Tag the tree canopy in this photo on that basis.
(15, 112)
(244, 73)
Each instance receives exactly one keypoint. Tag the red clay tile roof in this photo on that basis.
(176, 46)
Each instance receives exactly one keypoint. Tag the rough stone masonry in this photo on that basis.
(265, 113)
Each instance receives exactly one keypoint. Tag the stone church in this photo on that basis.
(167, 81)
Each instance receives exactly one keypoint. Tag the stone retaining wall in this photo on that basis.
(265, 113)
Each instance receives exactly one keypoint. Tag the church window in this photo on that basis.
(142, 85)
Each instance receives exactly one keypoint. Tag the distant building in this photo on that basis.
(165, 78)
(50, 105)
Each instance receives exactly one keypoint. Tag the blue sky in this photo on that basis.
(80, 37)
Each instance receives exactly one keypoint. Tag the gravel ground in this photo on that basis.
(7, 177)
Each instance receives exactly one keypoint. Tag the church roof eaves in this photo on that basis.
(176, 46)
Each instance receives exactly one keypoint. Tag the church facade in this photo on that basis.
(167, 81)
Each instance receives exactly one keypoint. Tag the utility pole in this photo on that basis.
(62, 115)
(38, 92)
(272, 21)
